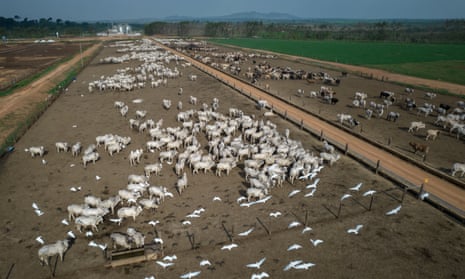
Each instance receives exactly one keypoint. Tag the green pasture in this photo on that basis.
(432, 61)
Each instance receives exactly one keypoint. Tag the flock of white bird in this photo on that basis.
(295, 264)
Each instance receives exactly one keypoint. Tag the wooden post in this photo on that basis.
(346, 149)
(421, 190)
(403, 195)
(377, 166)
(301, 124)
(263, 225)
(371, 202)
(389, 140)
(321, 135)
(306, 217)
(285, 115)
(339, 209)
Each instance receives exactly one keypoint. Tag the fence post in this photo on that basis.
(301, 124)
(346, 149)
(321, 135)
(377, 166)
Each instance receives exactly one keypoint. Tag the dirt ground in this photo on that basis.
(419, 242)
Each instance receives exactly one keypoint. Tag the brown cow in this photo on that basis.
(419, 147)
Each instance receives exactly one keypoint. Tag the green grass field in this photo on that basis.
(444, 62)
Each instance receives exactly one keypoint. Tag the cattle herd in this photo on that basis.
(145, 156)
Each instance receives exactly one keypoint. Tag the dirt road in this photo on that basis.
(438, 187)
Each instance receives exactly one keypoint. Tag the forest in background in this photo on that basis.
(409, 31)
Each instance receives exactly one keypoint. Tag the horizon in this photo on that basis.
(120, 10)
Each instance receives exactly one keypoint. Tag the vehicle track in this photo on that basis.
(450, 196)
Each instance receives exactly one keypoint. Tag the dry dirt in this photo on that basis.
(419, 242)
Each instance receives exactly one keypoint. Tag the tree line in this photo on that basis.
(421, 31)
(416, 31)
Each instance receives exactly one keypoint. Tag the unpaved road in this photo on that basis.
(440, 188)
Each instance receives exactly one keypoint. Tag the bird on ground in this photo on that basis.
(257, 265)
(305, 266)
(75, 189)
(158, 240)
(292, 264)
(35, 206)
(169, 194)
(346, 196)
(357, 187)
(102, 247)
(71, 234)
(40, 239)
(316, 242)
(97, 178)
(309, 175)
(260, 275)
(44, 162)
(306, 229)
(293, 193)
(72, 165)
(294, 224)
(137, 101)
(265, 199)
(318, 169)
(355, 230)
(424, 195)
(394, 211)
(294, 247)
(246, 233)
(275, 214)
(229, 247)
(310, 194)
(170, 258)
(205, 262)
(65, 222)
(190, 275)
(150, 277)
(163, 264)
(241, 199)
(89, 234)
(186, 223)
(313, 185)
(92, 244)
(216, 199)
(369, 193)
(154, 223)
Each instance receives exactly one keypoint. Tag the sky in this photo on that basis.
(95, 10)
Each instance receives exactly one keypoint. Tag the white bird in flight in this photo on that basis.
(39, 212)
(355, 230)
(241, 199)
(313, 185)
(40, 239)
(75, 189)
(89, 234)
(186, 223)
(369, 193)
(346, 196)
(154, 223)
(424, 195)
(190, 275)
(216, 199)
(117, 221)
(192, 215)
(205, 262)
(357, 187)
(163, 264)
(158, 240)
(293, 193)
(65, 222)
(305, 266)
(35, 206)
(275, 214)
(294, 247)
(294, 224)
(394, 211)
(306, 229)
(257, 265)
(97, 178)
(260, 275)
(198, 211)
(316, 242)
(170, 258)
(169, 194)
(229, 247)
(246, 233)
(310, 194)
(292, 264)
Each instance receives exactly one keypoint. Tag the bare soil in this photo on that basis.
(419, 242)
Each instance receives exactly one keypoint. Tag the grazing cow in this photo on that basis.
(416, 125)
(419, 147)
(432, 134)
(393, 116)
(386, 94)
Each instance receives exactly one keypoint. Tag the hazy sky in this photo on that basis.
(87, 10)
